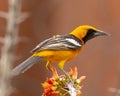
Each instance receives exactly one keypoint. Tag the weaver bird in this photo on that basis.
(60, 48)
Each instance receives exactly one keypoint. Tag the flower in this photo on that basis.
(63, 85)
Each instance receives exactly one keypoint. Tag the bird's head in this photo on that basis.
(86, 32)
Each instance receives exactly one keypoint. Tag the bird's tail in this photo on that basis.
(25, 65)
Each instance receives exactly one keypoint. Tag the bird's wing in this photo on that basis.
(59, 42)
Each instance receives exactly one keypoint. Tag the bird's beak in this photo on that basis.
(95, 34)
(100, 33)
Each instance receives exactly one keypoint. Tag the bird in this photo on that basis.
(60, 48)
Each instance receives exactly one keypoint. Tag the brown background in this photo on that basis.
(99, 60)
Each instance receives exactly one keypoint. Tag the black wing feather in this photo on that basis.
(59, 42)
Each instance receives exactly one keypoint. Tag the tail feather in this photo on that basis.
(25, 65)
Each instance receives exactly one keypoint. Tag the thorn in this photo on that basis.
(22, 17)
(114, 90)
(4, 15)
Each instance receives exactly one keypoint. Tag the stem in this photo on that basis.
(7, 52)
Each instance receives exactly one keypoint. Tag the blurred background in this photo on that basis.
(99, 61)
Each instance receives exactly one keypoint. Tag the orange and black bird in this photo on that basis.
(60, 48)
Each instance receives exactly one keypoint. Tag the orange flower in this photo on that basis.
(63, 85)
(49, 88)
(55, 74)
(73, 73)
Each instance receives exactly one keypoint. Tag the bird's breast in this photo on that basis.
(57, 56)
